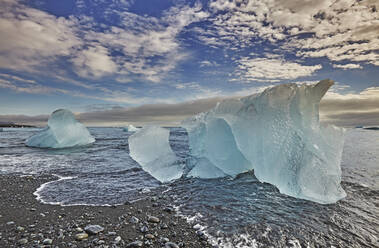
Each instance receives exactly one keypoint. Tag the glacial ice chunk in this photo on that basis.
(130, 128)
(203, 168)
(151, 149)
(62, 130)
(276, 133)
(211, 139)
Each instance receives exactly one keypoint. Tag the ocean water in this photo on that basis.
(239, 212)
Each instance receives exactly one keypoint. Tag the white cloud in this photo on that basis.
(94, 61)
(139, 46)
(30, 88)
(149, 46)
(31, 38)
(347, 66)
(16, 78)
(207, 63)
(339, 30)
(272, 70)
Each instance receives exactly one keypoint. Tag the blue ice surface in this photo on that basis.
(62, 131)
(276, 133)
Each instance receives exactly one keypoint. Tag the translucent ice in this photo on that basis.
(130, 128)
(278, 134)
(151, 149)
(211, 139)
(62, 130)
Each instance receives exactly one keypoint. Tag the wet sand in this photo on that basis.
(26, 222)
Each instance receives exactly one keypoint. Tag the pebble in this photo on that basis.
(149, 236)
(135, 244)
(171, 245)
(153, 219)
(164, 240)
(22, 241)
(100, 242)
(168, 209)
(93, 229)
(134, 220)
(81, 236)
(118, 239)
(144, 229)
(197, 227)
(47, 241)
(20, 229)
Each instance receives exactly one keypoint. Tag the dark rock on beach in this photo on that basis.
(25, 222)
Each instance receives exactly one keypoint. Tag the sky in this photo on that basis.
(114, 62)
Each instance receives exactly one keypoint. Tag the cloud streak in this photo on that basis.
(347, 110)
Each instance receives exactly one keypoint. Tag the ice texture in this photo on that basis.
(130, 128)
(151, 149)
(212, 142)
(276, 133)
(62, 131)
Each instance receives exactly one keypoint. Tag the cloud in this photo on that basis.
(347, 66)
(272, 70)
(339, 30)
(95, 61)
(136, 47)
(207, 63)
(30, 88)
(31, 39)
(16, 78)
(148, 47)
(351, 109)
(158, 113)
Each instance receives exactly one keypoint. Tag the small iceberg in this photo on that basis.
(130, 128)
(62, 131)
(151, 149)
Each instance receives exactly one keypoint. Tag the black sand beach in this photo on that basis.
(25, 222)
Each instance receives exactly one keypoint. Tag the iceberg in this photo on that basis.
(150, 148)
(130, 128)
(212, 142)
(277, 134)
(62, 131)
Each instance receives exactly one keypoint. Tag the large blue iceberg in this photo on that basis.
(276, 133)
(62, 131)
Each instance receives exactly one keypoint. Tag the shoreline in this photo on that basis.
(27, 222)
